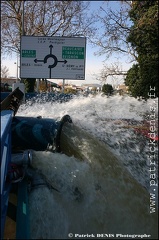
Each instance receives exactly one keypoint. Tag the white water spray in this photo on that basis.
(95, 195)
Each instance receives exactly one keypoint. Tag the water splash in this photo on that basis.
(103, 118)
(93, 207)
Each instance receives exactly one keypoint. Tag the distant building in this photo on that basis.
(92, 87)
(83, 88)
(6, 84)
(121, 89)
(9, 81)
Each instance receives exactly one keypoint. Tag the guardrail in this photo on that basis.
(6, 120)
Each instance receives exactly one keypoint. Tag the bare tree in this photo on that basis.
(114, 29)
(113, 70)
(4, 71)
(111, 38)
(43, 18)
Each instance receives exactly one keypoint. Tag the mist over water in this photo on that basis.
(86, 194)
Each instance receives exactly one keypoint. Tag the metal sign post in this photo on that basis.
(63, 87)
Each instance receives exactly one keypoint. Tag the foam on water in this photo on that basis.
(89, 200)
(73, 179)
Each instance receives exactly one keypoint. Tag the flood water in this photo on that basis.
(107, 190)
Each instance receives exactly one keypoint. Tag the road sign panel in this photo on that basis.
(53, 57)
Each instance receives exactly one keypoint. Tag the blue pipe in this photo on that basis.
(38, 133)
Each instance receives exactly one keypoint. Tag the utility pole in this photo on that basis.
(23, 33)
(17, 68)
(17, 80)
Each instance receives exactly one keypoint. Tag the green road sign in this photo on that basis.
(73, 52)
(28, 53)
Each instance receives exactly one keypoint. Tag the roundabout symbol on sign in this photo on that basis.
(50, 55)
